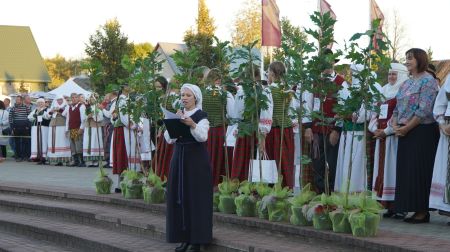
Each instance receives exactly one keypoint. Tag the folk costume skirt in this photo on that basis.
(58, 145)
(415, 160)
(385, 167)
(241, 157)
(287, 155)
(189, 195)
(440, 175)
(93, 144)
(119, 157)
(216, 151)
(39, 142)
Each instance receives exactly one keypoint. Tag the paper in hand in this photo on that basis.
(169, 115)
(174, 126)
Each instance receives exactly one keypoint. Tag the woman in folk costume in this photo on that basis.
(352, 134)
(278, 148)
(161, 161)
(302, 147)
(440, 184)
(385, 158)
(218, 104)
(190, 188)
(244, 145)
(123, 143)
(91, 123)
(58, 142)
(39, 132)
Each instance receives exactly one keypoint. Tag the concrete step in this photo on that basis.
(230, 232)
(77, 236)
(152, 225)
(12, 242)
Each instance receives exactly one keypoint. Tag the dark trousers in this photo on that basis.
(3, 150)
(22, 131)
(318, 162)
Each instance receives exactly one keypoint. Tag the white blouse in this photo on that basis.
(200, 133)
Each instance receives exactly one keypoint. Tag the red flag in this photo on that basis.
(325, 7)
(375, 13)
(271, 28)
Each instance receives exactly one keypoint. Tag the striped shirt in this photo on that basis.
(19, 114)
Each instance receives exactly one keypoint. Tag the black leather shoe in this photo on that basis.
(182, 248)
(117, 190)
(414, 220)
(388, 214)
(194, 248)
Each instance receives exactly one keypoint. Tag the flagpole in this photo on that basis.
(262, 63)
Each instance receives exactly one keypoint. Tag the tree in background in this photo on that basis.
(205, 23)
(202, 39)
(396, 32)
(141, 50)
(61, 69)
(430, 54)
(106, 49)
(247, 24)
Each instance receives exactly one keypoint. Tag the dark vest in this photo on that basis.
(328, 106)
(196, 117)
(74, 117)
(280, 101)
(213, 106)
(44, 122)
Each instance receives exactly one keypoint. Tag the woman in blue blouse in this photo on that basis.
(418, 134)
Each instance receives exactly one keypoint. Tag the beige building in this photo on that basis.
(22, 68)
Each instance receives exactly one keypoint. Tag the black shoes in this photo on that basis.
(414, 220)
(395, 215)
(182, 248)
(117, 190)
(186, 247)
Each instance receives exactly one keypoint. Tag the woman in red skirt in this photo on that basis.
(280, 140)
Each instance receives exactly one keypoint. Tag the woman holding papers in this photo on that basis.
(189, 193)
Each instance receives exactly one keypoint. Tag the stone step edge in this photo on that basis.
(55, 237)
(283, 228)
(104, 221)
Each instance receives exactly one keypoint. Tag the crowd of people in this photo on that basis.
(407, 137)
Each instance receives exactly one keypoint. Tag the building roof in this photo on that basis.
(442, 69)
(167, 50)
(20, 59)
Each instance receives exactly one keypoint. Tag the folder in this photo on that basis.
(176, 128)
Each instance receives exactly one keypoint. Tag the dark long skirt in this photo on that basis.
(189, 195)
(415, 161)
(287, 156)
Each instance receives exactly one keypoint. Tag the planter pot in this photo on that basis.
(103, 185)
(340, 222)
(298, 218)
(322, 221)
(153, 195)
(226, 204)
(364, 224)
(263, 212)
(245, 206)
(278, 210)
(216, 200)
(133, 191)
(123, 187)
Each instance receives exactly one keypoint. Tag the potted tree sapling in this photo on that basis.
(297, 203)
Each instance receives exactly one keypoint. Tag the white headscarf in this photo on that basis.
(55, 102)
(390, 91)
(197, 93)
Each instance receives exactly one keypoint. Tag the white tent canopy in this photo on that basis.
(69, 87)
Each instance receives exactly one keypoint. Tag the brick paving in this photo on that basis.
(434, 236)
